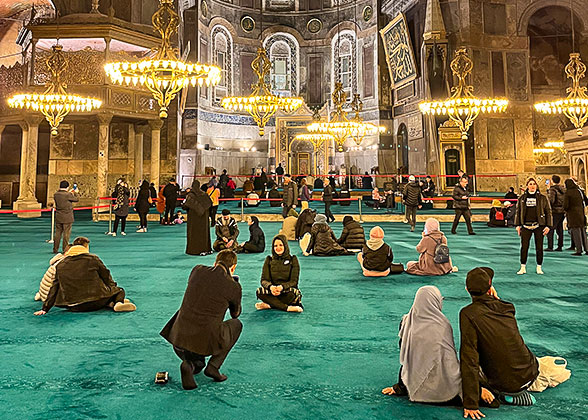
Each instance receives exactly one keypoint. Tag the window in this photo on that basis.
(222, 51)
(344, 57)
(283, 52)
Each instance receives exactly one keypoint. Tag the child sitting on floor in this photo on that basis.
(179, 219)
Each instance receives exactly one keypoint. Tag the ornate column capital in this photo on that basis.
(31, 120)
(155, 124)
(104, 119)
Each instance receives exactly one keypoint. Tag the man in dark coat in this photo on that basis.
(412, 200)
(555, 193)
(492, 352)
(367, 182)
(461, 205)
(153, 193)
(290, 197)
(198, 205)
(198, 329)
(223, 180)
(227, 232)
(275, 195)
(64, 215)
(84, 284)
(573, 205)
(280, 173)
(170, 192)
(328, 197)
(352, 236)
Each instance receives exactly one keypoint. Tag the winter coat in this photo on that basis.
(304, 223)
(170, 192)
(290, 197)
(544, 216)
(161, 201)
(305, 193)
(379, 260)
(80, 279)
(573, 205)
(48, 278)
(412, 195)
(248, 186)
(352, 236)
(198, 325)
(122, 210)
(281, 270)
(366, 182)
(64, 207)
(289, 228)
(323, 241)
(556, 198)
(328, 193)
(229, 231)
(256, 242)
(493, 221)
(274, 194)
(458, 202)
(426, 266)
(490, 340)
(142, 204)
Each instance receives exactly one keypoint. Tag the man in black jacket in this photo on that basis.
(555, 193)
(227, 232)
(492, 352)
(84, 284)
(170, 192)
(412, 200)
(198, 329)
(328, 196)
(461, 205)
(64, 214)
(290, 197)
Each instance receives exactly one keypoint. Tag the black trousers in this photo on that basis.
(123, 223)
(467, 215)
(285, 210)
(170, 208)
(410, 212)
(281, 302)
(99, 304)
(328, 213)
(61, 229)
(558, 219)
(142, 219)
(579, 238)
(213, 210)
(526, 235)
(198, 360)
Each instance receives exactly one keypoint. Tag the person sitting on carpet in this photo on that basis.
(227, 232)
(492, 351)
(497, 217)
(49, 276)
(252, 200)
(248, 186)
(83, 284)
(275, 195)
(198, 329)
(376, 256)
(279, 279)
(352, 237)
(377, 198)
(289, 225)
(256, 242)
(321, 240)
(427, 247)
(179, 219)
(304, 221)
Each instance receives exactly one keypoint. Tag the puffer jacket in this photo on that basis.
(412, 195)
(574, 205)
(304, 223)
(290, 197)
(323, 241)
(281, 270)
(458, 202)
(544, 216)
(48, 278)
(378, 260)
(353, 236)
(556, 198)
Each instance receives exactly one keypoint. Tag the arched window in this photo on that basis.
(345, 62)
(222, 51)
(283, 51)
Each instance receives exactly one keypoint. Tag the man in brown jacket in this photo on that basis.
(198, 328)
(64, 216)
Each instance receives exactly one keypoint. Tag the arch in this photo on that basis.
(276, 29)
(221, 44)
(581, 172)
(220, 21)
(535, 5)
(287, 45)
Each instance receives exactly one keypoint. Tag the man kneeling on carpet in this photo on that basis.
(198, 329)
(279, 279)
(227, 232)
(376, 256)
(493, 353)
(83, 284)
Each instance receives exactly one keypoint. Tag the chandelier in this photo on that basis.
(317, 140)
(54, 103)
(163, 73)
(463, 107)
(261, 104)
(575, 106)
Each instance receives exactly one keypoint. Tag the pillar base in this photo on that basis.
(27, 204)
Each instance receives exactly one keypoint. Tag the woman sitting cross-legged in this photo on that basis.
(427, 247)
(279, 279)
(376, 256)
(304, 221)
(321, 240)
(429, 371)
(352, 237)
(256, 242)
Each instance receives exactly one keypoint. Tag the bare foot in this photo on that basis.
(294, 309)
(487, 396)
(388, 391)
(260, 306)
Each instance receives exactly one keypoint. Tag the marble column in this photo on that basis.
(27, 199)
(103, 137)
(155, 150)
(138, 152)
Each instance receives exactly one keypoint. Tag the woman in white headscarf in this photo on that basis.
(430, 371)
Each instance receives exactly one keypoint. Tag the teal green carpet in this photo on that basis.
(328, 363)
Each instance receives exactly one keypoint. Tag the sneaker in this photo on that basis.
(124, 307)
(523, 269)
(539, 270)
(140, 230)
(123, 234)
(412, 228)
(112, 234)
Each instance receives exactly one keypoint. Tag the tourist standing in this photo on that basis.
(533, 219)
(305, 192)
(64, 216)
(198, 232)
(153, 193)
(573, 204)
(328, 196)
(412, 200)
(290, 197)
(214, 193)
(461, 205)
(555, 193)
(224, 180)
(280, 173)
(121, 206)
(170, 192)
(142, 205)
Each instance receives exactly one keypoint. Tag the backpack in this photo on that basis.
(441, 255)
(499, 215)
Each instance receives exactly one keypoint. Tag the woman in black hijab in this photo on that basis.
(142, 205)
(198, 204)
(256, 242)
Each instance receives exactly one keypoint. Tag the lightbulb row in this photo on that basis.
(463, 106)
(70, 103)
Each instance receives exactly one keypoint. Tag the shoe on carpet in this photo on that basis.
(577, 253)
(214, 373)
(453, 232)
(523, 398)
(539, 270)
(412, 228)
(471, 233)
(124, 307)
(112, 233)
(523, 269)
(123, 234)
(187, 372)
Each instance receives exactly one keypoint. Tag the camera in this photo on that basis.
(161, 378)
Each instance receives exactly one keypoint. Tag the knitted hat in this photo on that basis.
(63, 184)
(377, 233)
(479, 280)
(320, 219)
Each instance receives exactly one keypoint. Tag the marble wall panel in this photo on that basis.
(61, 167)
(62, 145)
(86, 184)
(86, 141)
(524, 138)
(118, 144)
(481, 74)
(481, 138)
(516, 73)
(75, 167)
(501, 138)
(494, 18)
(450, 12)
(118, 166)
